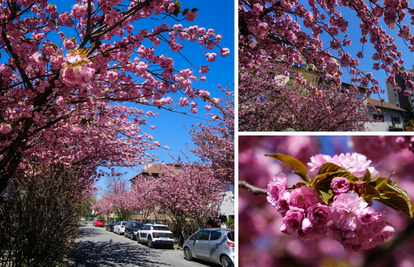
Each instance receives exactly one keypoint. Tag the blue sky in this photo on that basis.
(354, 33)
(366, 63)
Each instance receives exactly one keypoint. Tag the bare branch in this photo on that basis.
(255, 190)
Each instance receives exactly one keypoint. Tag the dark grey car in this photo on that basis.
(211, 244)
(110, 226)
(131, 229)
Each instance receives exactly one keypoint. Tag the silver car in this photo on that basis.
(211, 244)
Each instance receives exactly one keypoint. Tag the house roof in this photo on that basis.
(159, 168)
(383, 104)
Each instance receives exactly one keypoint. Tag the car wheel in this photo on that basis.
(187, 254)
(150, 243)
(225, 261)
(125, 234)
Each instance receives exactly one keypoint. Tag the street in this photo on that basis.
(97, 247)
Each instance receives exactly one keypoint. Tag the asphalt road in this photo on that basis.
(97, 247)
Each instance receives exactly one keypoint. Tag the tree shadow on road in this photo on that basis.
(115, 254)
(90, 254)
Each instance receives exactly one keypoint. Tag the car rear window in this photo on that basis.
(231, 236)
(163, 228)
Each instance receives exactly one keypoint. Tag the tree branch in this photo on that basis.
(255, 190)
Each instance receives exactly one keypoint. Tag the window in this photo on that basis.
(395, 119)
(203, 235)
(215, 235)
(379, 116)
(162, 228)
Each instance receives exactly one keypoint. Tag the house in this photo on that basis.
(154, 170)
(391, 116)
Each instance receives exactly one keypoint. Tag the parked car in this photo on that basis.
(211, 244)
(131, 229)
(119, 227)
(155, 234)
(98, 222)
(110, 226)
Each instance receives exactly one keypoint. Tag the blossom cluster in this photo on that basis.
(346, 217)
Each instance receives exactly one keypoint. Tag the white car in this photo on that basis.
(211, 244)
(155, 234)
(119, 227)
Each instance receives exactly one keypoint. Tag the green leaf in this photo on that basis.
(393, 196)
(375, 177)
(185, 11)
(292, 162)
(367, 176)
(330, 168)
(326, 196)
(370, 192)
(177, 8)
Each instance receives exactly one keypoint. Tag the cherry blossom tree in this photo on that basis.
(66, 76)
(117, 199)
(215, 141)
(316, 34)
(188, 194)
(264, 105)
(262, 225)
(103, 206)
(142, 201)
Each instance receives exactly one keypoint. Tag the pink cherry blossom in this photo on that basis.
(346, 208)
(340, 185)
(292, 221)
(319, 215)
(276, 188)
(303, 197)
(211, 57)
(5, 129)
(355, 163)
(191, 15)
(224, 52)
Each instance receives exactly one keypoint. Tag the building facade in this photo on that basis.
(390, 115)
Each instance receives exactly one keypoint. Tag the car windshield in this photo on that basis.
(123, 223)
(231, 236)
(164, 228)
(135, 225)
